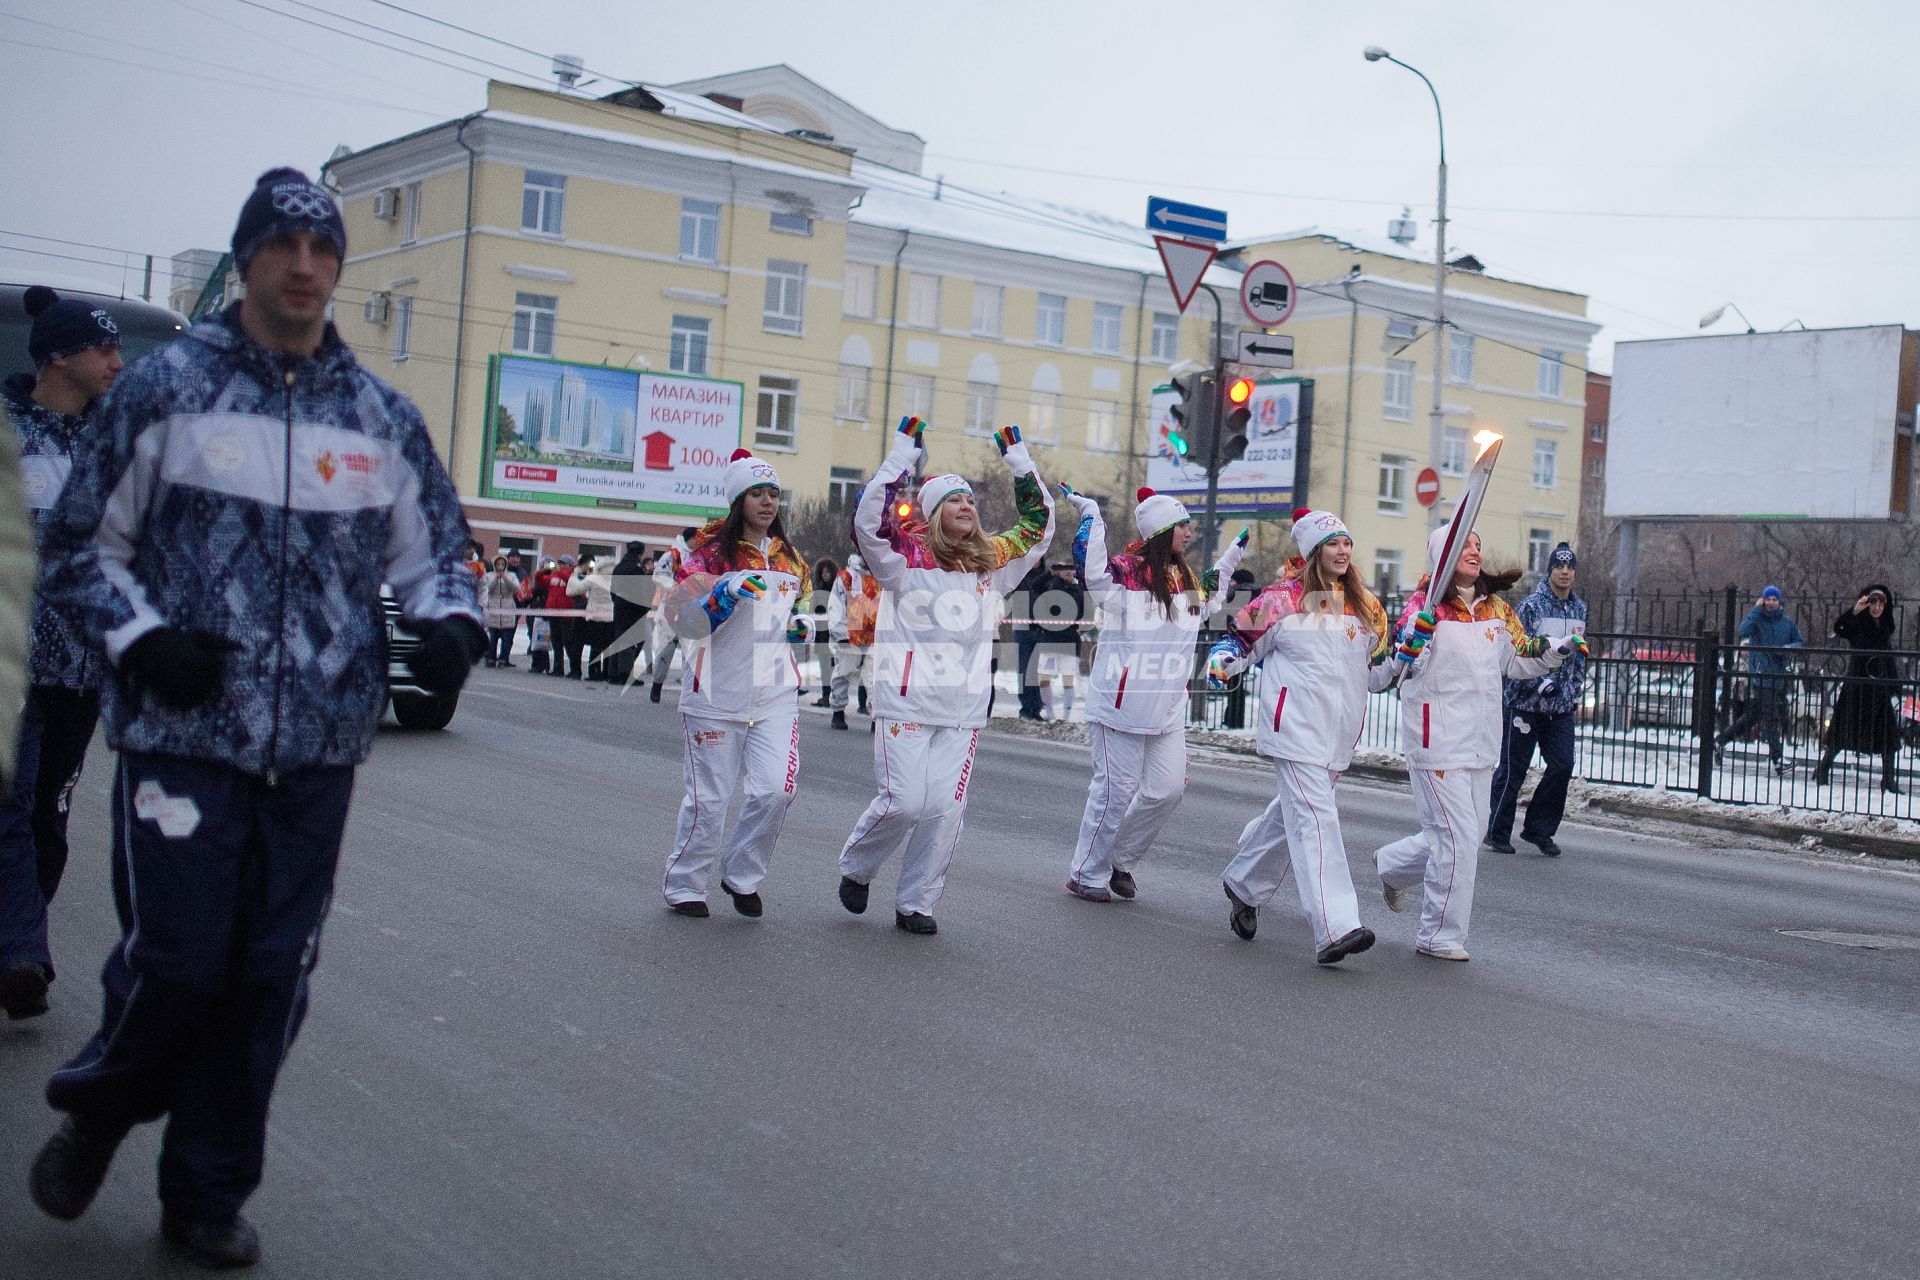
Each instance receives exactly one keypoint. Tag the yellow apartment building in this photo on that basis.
(765, 263)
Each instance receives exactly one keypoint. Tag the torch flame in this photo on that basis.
(1486, 440)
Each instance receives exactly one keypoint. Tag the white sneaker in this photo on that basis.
(1396, 898)
(1445, 951)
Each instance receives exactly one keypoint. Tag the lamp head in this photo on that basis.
(1713, 315)
(1373, 53)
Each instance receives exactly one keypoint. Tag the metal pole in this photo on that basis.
(146, 282)
(1212, 409)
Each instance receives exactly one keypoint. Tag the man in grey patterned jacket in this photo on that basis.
(1540, 713)
(226, 530)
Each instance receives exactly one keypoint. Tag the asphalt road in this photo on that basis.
(518, 1063)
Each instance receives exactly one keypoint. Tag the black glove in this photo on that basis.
(448, 649)
(181, 668)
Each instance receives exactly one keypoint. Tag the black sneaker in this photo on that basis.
(1122, 884)
(823, 701)
(1245, 918)
(218, 1243)
(653, 694)
(23, 990)
(840, 719)
(68, 1171)
(915, 922)
(1544, 844)
(1347, 944)
(747, 904)
(853, 895)
(1501, 846)
(693, 907)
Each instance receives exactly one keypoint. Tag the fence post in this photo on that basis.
(1730, 625)
(1706, 698)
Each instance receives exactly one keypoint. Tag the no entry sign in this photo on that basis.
(1426, 487)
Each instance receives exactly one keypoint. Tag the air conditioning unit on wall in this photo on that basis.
(374, 309)
(386, 203)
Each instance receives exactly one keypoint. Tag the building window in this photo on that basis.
(1539, 547)
(1398, 401)
(1597, 432)
(1044, 424)
(793, 224)
(988, 299)
(1103, 426)
(1387, 568)
(857, 290)
(534, 318)
(1548, 383)
(699, 230)
(842, 484)
(1597, 468)
(1393, 484)
(1460, 358)
(1107, 317)
(923, 301)
(855, 382)
(1166, 337)
(688, 350)
(1546, 460)
(980, 406)
(543, 203)
(786, 297)
(776, 411)
(1453, 451)
(402, 329)
(1050, 320)
(918, 397)
(410, 216)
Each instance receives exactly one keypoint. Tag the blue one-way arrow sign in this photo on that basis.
(1170, 217)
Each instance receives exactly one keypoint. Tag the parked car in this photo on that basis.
(413, 706)
(143, 326)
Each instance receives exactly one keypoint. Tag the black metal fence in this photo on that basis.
(1685, 714)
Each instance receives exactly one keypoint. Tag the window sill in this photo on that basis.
(1395, 415)
(784, 333)
(758, 443)
(537, 234)
(859, 420)
(1390, 511)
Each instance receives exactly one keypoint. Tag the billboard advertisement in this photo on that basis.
(582, 435)
(1799, 425)
(1259, 484)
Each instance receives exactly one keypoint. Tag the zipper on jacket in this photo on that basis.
(1278, 707)
(1120, 694)
(280, 624)
(905, 672)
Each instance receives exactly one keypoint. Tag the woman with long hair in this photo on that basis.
(1152, 608)
(499, 602)
(732, 600)
(942, 581)
(1863, 718)
(1320, 639)
(1459, 641)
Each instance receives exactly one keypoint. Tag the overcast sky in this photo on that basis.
(1661, 157)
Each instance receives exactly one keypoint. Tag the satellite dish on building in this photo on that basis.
(1402, 230)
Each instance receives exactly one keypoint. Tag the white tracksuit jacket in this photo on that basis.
(742, 669)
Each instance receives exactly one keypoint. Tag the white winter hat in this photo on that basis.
(1311, 528)
(1157, 513)
(746, 472)
(937, 489)
(1436, 542)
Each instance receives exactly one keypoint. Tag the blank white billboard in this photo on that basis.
(1756, 425)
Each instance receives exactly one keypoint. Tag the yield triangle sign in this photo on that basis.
(1185, 262)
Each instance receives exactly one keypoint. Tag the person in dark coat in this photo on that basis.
(1863, 718)
(629, 630)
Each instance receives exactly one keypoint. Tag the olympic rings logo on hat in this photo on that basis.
(303, 203)
(105, 321)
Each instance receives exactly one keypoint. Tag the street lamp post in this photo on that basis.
(1436, 419)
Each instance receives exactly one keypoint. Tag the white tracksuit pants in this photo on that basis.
(1138, 779)
(1304, 818)
(1445, 854)
(923, 771)
(759, 757)
(851, 663)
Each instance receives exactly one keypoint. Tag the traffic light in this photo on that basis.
(1193, 416)
(1236, 420)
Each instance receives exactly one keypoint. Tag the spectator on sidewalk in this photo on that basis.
(1764, 631)
(632, 598)
(499, 600)
(564, 625)
(666, 572)
(539, 629)
(853, 608)
(1048, 644)
(1540, 713)
(592, 586)
(1863, 716)
(814, 604)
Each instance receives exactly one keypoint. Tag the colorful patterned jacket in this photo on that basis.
(263, 498)
(1543, 613)
(58, 653)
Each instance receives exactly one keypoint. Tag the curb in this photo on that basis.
(1619, 806)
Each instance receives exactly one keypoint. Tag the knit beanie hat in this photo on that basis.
(746, 472)
(1562, 555)
(65, 326)
(285, 200)
(937, 489)
(1436, 542)
(1157, 513)
(1311, 528)
(1771, 593)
